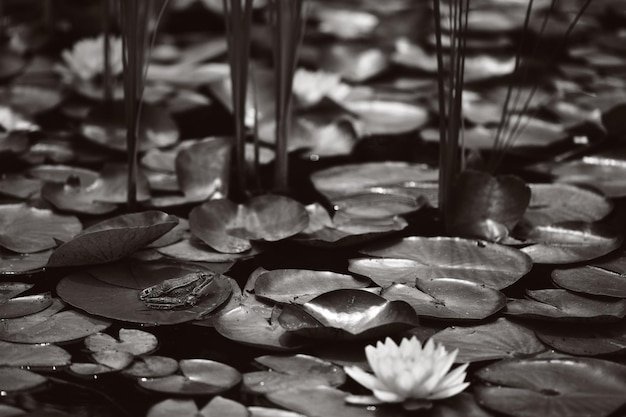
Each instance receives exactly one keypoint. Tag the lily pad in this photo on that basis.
(199, 377)
(151, 367)
(378, 117)
(477, 261)
(249, 326)
(556, 203)
(604, 278)
(600, 339)
(553, 387)
(448, 298)
(23, 263)
(218, 406)
(228, 227)
(15, 380)
(558, 304)
(105, 125)
(26, 229)
(301, 285)
(496, 340)
(52, 325)
(352, 179)
(113, 239)
(99, 298)
(348, 314)
(33, 356)
(135, 342)
(12, 306)
(194, 250)
(570, 242)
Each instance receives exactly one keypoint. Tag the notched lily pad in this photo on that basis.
(558, 304)
(113, 239)
(228, 227)
(564, 387)
(605, 278)
(348, 314)
(15, 380)
(496, 340)
(135, 342)
(448, 298)
(25, 229)
(477, 261)
(23, 263)
(12, 306)
(33, 356)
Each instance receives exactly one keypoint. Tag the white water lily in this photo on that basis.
(408, 372)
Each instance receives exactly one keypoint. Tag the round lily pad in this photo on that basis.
(23, 263)
(605, 278)
(477, 261)
(135, 342)
(33, 356)
(15, 380)
(568, 387)
(574, 339)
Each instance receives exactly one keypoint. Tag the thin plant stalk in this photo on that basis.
(450, 109)
(238, 21)
(48, 14)
(288, 21)
(106, 29)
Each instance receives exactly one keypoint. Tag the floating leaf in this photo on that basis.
(301, 285)
(353, 61)
(291, 372)
(199, 377)
(326, 401)
(99, 298)
(477, 261)
(246, 325)
(272, 412)
(12, 306)
(556, 203)
(105, 125)
(135, 342)
(101, 196)
(16, 380)
(228, 227)
(462, 405)
(564, 387)
(194, 250)
(218, 406)
(151, 367)
(348, 314)
(33, 356)
(352, 179)
(23, 263)
(27, 229)
(585, 340)
(113, 239)
(448, 298)
(486, 207)
(604, 278)
(497, 340)
(557, 304)
(51, 325)
(113, 359)
(203, 169)
(570, 242)
(378, 117)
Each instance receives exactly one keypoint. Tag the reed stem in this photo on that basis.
(106, 29)
(238, 21)
(288, 22)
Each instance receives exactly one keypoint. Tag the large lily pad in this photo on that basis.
(585, 340)
(12, 306)
(301, 285)
(448, 298)
(351, 179)
(52, 325)
(605, 278)
(229, 227)
(113, 239)
(14, 380)
(496, 340)
(348, 314)
(84, 291)
(565, 387)
(194, 250)
(481, 262)
(570, 242)
(26, 229)
(23, 263)
(218, 406)
(558, 304)
(376, 117)
(33, 356)
(556, 203)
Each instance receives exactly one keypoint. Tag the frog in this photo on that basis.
(180, 292)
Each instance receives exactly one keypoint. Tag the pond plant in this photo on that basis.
(289, 208)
